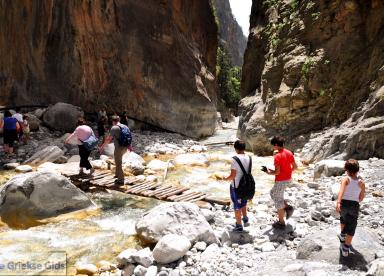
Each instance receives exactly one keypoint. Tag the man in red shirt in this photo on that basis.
(285, 164)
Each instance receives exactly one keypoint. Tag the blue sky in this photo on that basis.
(241, 9)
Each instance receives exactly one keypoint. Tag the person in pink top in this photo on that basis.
(285, 164)
(82, 133)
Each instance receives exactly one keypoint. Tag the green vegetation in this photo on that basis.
(228, 79)
(307, 66)
(294, 4)
(315, 15)
(215, 14)
(270, 3)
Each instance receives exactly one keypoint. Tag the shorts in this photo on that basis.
(10, 136)
(349, 212)
(277, 193)
(237, 203)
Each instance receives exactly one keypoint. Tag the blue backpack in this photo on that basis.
(91, 142)
(125, 137)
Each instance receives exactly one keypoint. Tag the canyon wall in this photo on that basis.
(314, 72)
(155, 59)
(231, 36)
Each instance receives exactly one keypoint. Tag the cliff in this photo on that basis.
(155, 59)
(314, 73)
(230, 34)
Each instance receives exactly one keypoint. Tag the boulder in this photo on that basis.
(191, 159)
(98, 164)
(23, 168)
(48, 154)
(34, 122)
(39, 112)
(62, 117)
(376, 268)
(38, 195)
(170, 248)
(87, 269)
(180, 218)
(143, 257)
(11, 166)
(210, 252)
(133, 162)
(158, 165)
(329, 168)
(324, 246)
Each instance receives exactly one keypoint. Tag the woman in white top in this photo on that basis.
(351, 192)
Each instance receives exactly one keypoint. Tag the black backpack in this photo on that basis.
(246, 188)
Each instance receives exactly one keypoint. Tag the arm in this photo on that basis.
(276, 171)
(294, 165)
(231, 176)
(107, 140)
(344, 183)
(362, 193)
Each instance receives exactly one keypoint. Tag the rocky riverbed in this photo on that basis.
(308, 245)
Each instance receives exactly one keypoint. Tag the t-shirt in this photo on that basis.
(82, 133)
(284, 158)
(115, 133)
(18, 116)
(10, 123)
(235, 166)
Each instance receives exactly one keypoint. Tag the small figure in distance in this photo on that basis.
(26, 129)
(351, 193)
(10, 126)
(285, 164)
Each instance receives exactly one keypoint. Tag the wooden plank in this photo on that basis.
(145, 188)
(173, 198)
(189, 197)
(137, 186)
(157, 190)
(161, 190)
(224, 202)
(102, 180)
(196, 199)
(173, 193)
(140, 188)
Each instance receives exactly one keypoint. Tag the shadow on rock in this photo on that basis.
(355, 261)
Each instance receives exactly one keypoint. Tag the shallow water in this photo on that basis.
(88, 237)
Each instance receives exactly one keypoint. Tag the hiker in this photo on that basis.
(239, 203)
(82, 133)
(10, 127)
(285, 164)
(351, 193)
(26, 129)
(101, 124)
(19, 118)
(124, 118)
(121, 137)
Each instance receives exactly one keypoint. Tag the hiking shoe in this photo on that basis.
(278, 225)
(119, 182)
(238, 228)
(341, 238)
(344, 250)
(246, 221)
(288, 211)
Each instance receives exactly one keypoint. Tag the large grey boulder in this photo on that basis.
(170, 248)
(324, 246)
(181, 218)
(48, 154)
(329, 168)
(134, 163)
(62, 116)
(34, 122)
(38, 195)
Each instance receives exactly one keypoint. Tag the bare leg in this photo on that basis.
(244, 211)
(238, 216)
(342, 227)
(348, 240)
(6, 148)
(281, 214)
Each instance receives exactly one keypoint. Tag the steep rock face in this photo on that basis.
(155, 59)
(313, 70)
(230, 33)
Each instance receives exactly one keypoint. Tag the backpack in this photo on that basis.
(125, 137)
(90, 143)
(246, 188)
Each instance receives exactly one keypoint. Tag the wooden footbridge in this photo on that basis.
(106, 181)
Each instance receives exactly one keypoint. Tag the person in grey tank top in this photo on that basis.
(352, 191)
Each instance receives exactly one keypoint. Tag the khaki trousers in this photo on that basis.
(118, 155)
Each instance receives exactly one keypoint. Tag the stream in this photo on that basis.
(88, 237)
